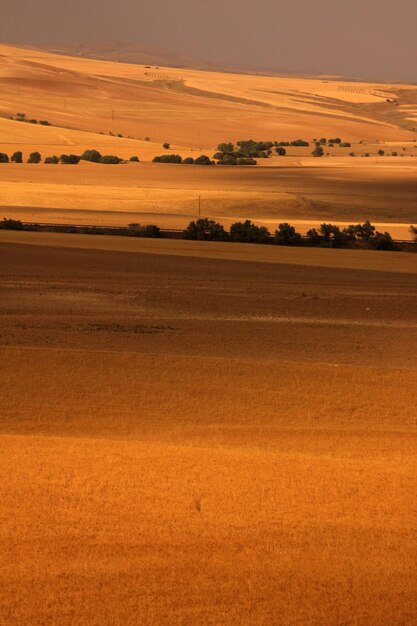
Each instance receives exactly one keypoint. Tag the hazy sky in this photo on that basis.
(364, 38)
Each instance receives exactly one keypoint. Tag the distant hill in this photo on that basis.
(145, 55)
(128, 53)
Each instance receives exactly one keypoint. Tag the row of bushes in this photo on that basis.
(69, 159)
(176, 158)
(229, 154)
(328, 235)
(21, 117)
(133, 230)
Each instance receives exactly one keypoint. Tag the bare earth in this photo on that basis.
(206, 434)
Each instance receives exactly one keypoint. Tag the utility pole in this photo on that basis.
(199, 206)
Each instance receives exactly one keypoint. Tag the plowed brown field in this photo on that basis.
(206, 434)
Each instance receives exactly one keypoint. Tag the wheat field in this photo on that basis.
(196, 433)
(127, 109)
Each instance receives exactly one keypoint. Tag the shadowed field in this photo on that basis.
(206, 434)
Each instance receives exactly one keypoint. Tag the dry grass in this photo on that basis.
(79, 97)
(204, 433)
(168, 195)
(201, 440)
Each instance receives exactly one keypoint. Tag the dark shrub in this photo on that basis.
(110, 159)
(318, 151)
(134, 159)
(69, 159)
(17, 157)
(362, 232)
(313, 237)
(91, 155)
(205, 230)
(280, 151)
(383, 241)
(150, 230)
(10, 224)
(188, 161)
(54, 160)
(203, 160)
(166, 146)
(246, 161)
(286, 235)
(34, 157)
(228, 159)
(4, 158)
(328, 236)
(168, 158)
(226, 148)
(247, 232)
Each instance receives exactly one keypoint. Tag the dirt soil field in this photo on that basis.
(206, 434)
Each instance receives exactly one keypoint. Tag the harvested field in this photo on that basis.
(206, 434)
(126, 110)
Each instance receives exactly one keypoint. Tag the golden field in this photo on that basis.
(85, 100)
(198, 433)
(206, 433)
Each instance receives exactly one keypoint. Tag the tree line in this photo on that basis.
(326, 236)
(203, 229)
(93, 156)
